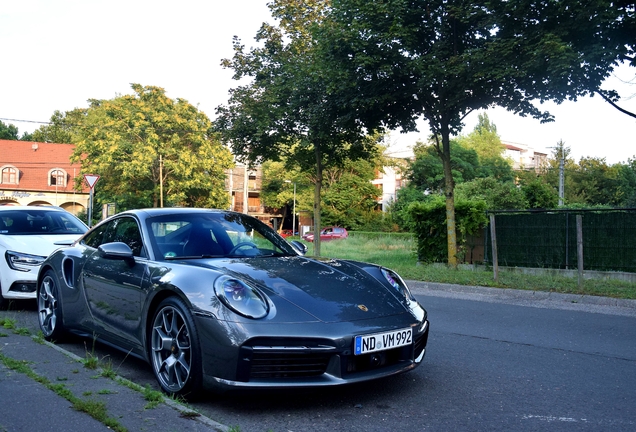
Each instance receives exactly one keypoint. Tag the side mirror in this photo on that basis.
(300, 247)
(115, 250)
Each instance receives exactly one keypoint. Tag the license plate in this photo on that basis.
(383, 341)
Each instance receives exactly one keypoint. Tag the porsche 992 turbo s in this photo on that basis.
(218, 300)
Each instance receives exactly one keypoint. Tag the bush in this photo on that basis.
(429, 226)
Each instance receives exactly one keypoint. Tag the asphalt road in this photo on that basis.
(496, 360)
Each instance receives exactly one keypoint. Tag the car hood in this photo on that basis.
(329, 290)
(42, 245)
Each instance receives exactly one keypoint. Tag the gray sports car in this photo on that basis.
(216, 299)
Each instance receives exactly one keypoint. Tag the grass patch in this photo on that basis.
(91, 361)
(153, 397)
(22, 331)
(8, 323)
(399, 254)
(107, 370)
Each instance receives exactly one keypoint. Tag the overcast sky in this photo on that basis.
(58, 54)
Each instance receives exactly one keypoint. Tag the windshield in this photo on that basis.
(40, 222)
(214, 235)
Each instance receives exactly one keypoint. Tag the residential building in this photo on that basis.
(390, 179)
(524, 157)
(34, 173)
(244, 186)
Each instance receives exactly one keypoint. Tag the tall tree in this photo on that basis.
(349, 195)
(146, 147)
(60, 128)
(483, 139)
(8, 131)
(394, 61)
(286, 111)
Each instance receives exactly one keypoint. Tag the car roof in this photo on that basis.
(152, 212)
(31, 208)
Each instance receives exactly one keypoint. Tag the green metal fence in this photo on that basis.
(548, 239)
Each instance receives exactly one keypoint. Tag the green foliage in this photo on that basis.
(60, 128)
(349, 197)
(427, 171)
(497, 195)
(627, 183)
(483, 139)
(142, 143)
(540, 195)
(8, 131)
(372, 221)
(399, 208)
(429, 225)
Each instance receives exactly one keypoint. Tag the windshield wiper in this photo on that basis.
(173, 258)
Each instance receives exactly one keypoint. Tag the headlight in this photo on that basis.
(240, 297)
(396, 282)
(23, 262)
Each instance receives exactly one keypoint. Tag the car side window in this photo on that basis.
(125, 230)
(96, 238)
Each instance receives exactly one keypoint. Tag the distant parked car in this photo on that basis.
(328, 233)
(27, 236)
(286, 233)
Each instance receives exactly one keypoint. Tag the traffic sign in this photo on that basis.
(91, 179)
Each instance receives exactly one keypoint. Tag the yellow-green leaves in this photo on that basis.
(146, 143)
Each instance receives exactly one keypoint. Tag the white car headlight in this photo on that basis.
(240, 297)
(23, 262)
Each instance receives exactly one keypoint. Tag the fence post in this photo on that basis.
(579, 247)
(493, 239)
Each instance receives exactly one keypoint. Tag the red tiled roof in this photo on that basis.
(512, 147)
(34, 160)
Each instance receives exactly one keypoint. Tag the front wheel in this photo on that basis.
(174, 349)
(49, 308)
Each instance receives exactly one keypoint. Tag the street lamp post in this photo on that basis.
(294, 209)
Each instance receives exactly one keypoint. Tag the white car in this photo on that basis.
(27, 236)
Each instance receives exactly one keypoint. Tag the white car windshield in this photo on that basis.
(39, 222)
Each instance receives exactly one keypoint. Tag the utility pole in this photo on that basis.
(160, 181)
(561, 178)
(246, 178)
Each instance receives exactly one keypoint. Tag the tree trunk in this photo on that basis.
(449, 192)
(317, 188)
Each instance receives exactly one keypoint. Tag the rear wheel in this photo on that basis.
(49, 310)
(174, 349)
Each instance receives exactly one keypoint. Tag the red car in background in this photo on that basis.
(286, 233)
(328, 233)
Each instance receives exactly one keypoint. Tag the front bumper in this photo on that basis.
(296, 361)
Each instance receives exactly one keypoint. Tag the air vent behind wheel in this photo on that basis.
(67, 271)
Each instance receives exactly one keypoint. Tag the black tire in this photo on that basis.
(49, 307)
(175, 351)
